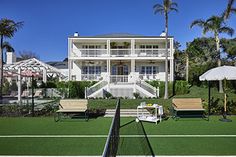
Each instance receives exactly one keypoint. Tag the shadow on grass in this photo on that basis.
(134, 145)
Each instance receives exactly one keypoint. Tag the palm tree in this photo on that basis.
(165, 9)
(216, 25)
(229, 9)
(7, 30)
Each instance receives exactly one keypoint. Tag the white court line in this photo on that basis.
(104, 136)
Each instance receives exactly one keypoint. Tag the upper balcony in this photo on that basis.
(75, 53)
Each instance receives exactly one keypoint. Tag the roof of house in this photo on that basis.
(119, 35)
(59, 64)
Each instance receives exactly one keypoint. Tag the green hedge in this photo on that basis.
(74, 89)
(174, 88)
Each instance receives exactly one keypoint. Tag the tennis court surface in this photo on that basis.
(42, 136)
(117, 136)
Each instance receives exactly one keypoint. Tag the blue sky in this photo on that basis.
(48, 23)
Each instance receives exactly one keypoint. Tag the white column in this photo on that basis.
(132, 68)
(19, 85)
(132, 46)
(108, 46)
(44, 75)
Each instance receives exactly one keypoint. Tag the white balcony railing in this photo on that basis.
(89, 52)
(120, 52)
(151, 52)
(118, 78)
(91, 77)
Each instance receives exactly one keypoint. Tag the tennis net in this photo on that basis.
(112, 142)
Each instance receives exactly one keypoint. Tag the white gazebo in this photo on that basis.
(30, 68)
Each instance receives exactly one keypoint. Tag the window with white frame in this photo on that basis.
(126, 70)
(149, 70)
(91, 70)
(113, 70)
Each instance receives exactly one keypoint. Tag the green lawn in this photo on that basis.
(127, 146)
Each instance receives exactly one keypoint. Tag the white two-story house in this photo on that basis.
(121, 63)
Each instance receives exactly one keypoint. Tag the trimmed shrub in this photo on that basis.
(177, 87)
(74, 89)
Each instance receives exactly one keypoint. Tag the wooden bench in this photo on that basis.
(71, 106)
(191, 107)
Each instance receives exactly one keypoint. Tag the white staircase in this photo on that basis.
(122, 89)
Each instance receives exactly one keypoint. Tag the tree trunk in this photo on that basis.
(1, 69)
(187, 66)
(166, 57)
(218, 60)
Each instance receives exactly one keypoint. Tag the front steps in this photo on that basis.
(123, 112)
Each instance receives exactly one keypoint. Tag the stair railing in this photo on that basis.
(95, 87)
(148, 87)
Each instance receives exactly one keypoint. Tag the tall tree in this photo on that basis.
(200, 56)
(7, 30)
(164, 9)
(216, 25)
(229, 9)
(229, 47)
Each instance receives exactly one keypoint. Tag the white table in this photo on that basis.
(141, 116)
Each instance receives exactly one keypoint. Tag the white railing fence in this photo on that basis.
(118, 78)
(151, 52)
(94, 77)
(120, 52)
(89, 52)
